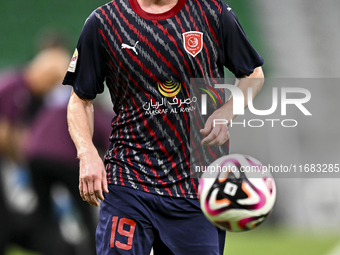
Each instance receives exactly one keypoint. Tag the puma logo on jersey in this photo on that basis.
(125, 46)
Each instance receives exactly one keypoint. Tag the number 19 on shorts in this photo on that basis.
(120, 226)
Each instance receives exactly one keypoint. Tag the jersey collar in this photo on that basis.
(160, 16)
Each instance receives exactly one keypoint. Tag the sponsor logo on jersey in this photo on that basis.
(193, 42)
(169, 103)
(169, 88)
(126, 46)
(73, 64)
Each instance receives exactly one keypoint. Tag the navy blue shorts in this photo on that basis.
(133, 221)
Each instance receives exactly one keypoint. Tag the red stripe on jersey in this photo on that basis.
(165, 32)
(135, 172)
(161, 146)
(109, 174)
(121, 175)
(219, 6)
(144, 155)
(149, 162)
(147, 70)
(146, 41)
(206, 20)
(194, 185)
(151, 132)
(204, 45)
(135, 58)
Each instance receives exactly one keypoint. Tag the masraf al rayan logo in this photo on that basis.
(169, 103)
(169, 88)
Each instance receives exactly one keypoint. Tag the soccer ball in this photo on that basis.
(236, 192)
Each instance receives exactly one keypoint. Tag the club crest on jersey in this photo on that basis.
(193, 42)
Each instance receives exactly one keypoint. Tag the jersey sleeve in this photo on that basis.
(235, 50)
(86, 72)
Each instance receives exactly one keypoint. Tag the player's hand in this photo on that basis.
(92, 178)
(218, 134)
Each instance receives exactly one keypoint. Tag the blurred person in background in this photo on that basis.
(21, 95)
(52, 160)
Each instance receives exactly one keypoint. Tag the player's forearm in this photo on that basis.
(254, 81)
(80, 118)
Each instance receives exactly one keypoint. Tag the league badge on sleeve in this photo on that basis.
(73, 64)
(193, 42)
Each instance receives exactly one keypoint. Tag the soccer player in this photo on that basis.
(147, 51)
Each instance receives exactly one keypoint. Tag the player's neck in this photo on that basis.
(157, 6)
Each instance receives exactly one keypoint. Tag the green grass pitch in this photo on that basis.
(264, 241)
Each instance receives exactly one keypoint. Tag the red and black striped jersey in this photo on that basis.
(147, 61)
